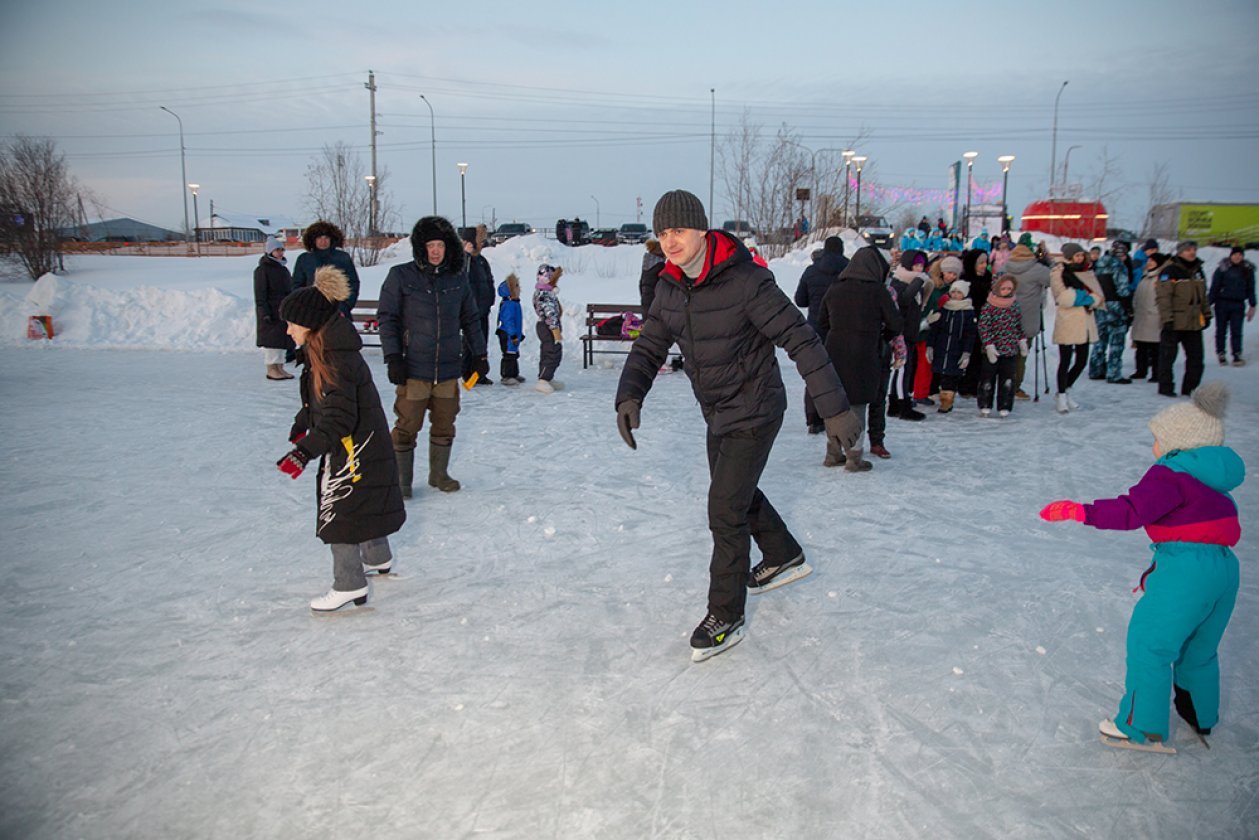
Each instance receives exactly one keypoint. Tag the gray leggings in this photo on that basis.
(348, 560)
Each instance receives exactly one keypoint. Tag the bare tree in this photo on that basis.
(37, 200)
(338, 191)
(1160, 192)
(1106, 184)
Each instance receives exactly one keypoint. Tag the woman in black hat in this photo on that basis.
(341, 421)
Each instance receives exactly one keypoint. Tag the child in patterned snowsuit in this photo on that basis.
(1001, 335)
(1183, 503)
(546, 304)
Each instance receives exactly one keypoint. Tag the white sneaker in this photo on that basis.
(1003, 413)
(985, 412)
(507, 380)
(544, 387)
(1072, 403)
(1061, 404)
(335, 600)
(557, 385)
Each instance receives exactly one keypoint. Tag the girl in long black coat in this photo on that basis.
(857, 316)
(272, 283)
(342, 422)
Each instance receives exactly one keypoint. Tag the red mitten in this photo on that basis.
(1062, 510)
(293, 463)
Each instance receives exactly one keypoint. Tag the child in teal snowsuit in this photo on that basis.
(1183, 503)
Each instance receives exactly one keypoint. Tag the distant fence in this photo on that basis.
(197, 249)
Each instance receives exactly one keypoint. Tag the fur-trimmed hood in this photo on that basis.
(436, 227)
(322, 228)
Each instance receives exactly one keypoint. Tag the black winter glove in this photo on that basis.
(627, 417)
(397, 369)
(845, 428)
(482, 366)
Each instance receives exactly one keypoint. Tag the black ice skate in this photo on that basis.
(766, 577)
(713, 636)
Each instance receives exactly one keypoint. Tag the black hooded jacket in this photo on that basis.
(857, 316)
(358, 494)
(426, 310)
(817, 278)
(727, 322)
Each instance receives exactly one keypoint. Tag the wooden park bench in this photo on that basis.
(592, 342)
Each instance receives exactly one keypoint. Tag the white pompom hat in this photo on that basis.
(1189, 425)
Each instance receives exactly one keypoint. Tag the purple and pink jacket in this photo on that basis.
(1182, 498)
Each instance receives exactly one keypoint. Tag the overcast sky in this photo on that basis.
(582, 108)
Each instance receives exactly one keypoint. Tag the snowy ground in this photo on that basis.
(528, 674)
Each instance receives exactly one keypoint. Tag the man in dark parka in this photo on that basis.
(858, 315)
(727, 314)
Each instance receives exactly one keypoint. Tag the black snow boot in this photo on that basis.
(1184, 708)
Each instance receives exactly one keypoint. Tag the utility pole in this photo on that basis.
(375, 214)
(1053, 149)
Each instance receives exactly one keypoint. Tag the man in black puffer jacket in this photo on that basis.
(427, 311)
(817, 278)
(727, 314)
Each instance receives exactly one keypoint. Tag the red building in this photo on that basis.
(1067, 218)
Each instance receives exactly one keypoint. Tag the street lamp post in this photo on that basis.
(1066, 164)
(371, 210)
(597, 222)
(463, 170)
(432, 145)
(196, 217)
(860, 160)
(970, 165)
(1053, 154)
(183, 169)
(1005, 161)
(848, 154)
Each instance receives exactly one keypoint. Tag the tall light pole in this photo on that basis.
(196, 217)
(463, 170)
(712, 150)
(183, 170)
(970, 165)
(597, 222)
(860, 160)
(371, 210)
(1053, 153)
(848, 154)
(432, 145)
(1005, 161)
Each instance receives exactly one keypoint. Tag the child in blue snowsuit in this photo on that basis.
(510, 330)
(1183, 503)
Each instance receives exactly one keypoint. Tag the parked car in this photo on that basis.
(876, 230)
(632, 233)
(507, 230)
(603, 236)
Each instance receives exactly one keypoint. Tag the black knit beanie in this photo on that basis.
(833, 245)
(679, 209)
(315, 305)
(307, 307)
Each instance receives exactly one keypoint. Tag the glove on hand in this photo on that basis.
(845, 428)
(293, 463)
(297, 433)
(557, 334)
(482, 366)
(627, 417)
(990, 350)
(1062, 510)
(1022, 346)
(965, 361)
(397, 369)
